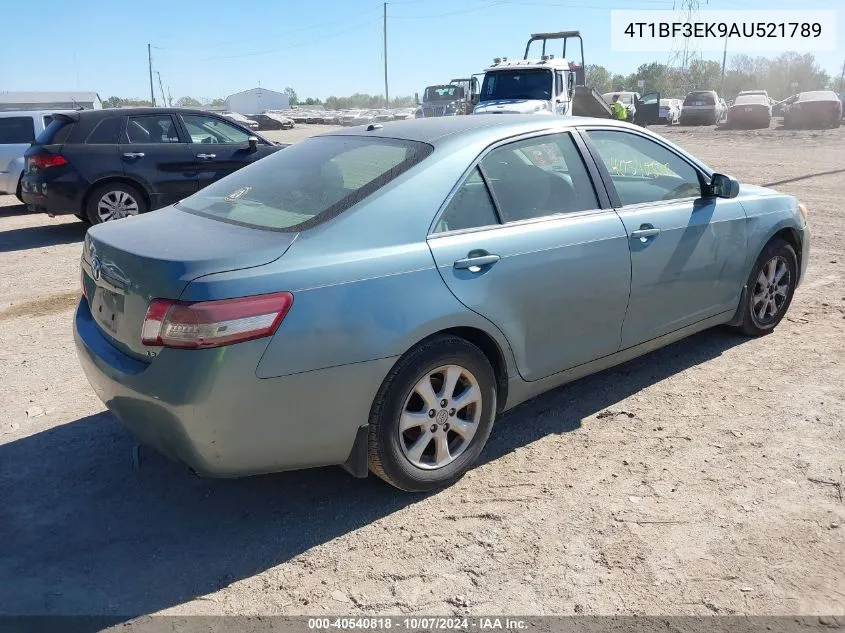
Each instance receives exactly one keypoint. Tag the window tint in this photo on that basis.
(303, 184)
(470, 207)
(160, 128)
(106, 131)
(16, 129)
(539, 176)
(206, 129)
(644, 171)
(56, 132)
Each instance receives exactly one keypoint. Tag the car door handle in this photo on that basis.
(474, 262)
(133, 154)
(644, 232)
(206, 156)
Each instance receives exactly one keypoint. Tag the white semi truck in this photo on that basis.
(543, 84)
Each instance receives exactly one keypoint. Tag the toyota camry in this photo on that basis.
(375, 297)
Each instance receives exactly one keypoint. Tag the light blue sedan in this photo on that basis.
(375, 297)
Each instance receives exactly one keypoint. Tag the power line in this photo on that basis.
(285, 48)
(318, 25)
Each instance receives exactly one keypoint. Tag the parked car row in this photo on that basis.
(350, 117)
(102, 165)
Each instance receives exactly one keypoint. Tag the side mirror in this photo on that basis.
(253, 142)
(723, 186)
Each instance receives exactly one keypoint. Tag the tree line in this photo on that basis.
(781, 77)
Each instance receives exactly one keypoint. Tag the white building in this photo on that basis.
(257, 101)
(49, 100)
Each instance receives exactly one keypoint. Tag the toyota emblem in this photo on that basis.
(96, 267)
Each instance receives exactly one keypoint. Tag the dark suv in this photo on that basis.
(106, 164)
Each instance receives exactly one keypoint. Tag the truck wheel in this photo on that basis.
(19, 191)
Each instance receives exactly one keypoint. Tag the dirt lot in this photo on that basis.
(703, 478)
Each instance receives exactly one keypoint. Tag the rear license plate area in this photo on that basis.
(107, 308)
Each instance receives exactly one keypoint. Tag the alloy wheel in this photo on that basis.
(771, 290)
(114, 205)
(440, 417)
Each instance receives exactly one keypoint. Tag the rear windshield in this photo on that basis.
(699, 98)
(751, 99)
(818, 95)
(306, 183)
(56, 132)
(16, 129)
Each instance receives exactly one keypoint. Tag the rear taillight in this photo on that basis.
(202, 324)
(42, 161)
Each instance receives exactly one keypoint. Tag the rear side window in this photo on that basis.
(307, 183)
(56, 132)
(16, 129)
(471, 207)
(106, 131)
(160, 128)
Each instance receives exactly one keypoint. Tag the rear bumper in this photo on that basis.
(698, 116)
(61, 196)
(208, 410)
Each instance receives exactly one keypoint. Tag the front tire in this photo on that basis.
(770, 288)
(432, 415)
(113, 201)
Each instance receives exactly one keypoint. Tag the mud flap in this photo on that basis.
(737, 317)
(357, 464)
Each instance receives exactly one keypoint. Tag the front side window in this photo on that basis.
(306, 183)
(160, 128)
(539, 176)
(206, 129)
(643, 171)
(16, 129)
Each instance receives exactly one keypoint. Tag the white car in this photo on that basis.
(669, 111)
(18, 128)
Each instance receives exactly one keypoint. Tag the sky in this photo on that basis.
(211, 48)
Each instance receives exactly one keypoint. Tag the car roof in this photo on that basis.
(132, 111)
(17, 113)
(438, 131)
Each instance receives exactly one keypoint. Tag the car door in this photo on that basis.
(528, 242)
(219, 147)
(687, 250)
(157, 155)
(648, 109)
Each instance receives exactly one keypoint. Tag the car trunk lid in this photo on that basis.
(129, 262)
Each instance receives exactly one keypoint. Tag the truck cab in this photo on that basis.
(527, 86)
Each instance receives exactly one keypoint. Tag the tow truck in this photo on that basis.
(543, 85)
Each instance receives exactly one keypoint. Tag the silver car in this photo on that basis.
(377, 296)
(17, 130)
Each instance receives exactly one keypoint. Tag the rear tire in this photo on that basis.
(19, 190)
(769, 290)
(119, 198)
(414, 440)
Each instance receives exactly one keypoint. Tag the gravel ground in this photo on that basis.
(704, 478)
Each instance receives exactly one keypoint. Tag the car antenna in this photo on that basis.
(78, 107)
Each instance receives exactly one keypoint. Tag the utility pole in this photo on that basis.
(724, 59)
(150, 60)
(161, 87)
(169, 98)
(842, 78)
(386, 93)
